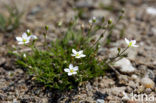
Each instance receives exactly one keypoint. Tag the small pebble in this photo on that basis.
(100, 101)
(147, 82)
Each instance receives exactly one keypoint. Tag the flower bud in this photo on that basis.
(46, 27)
(110, 21)
(119, 50)
(28, 32)
(94, 19)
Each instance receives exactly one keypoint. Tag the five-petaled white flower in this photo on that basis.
(24, 39)
(71, 70)
(131, 43)
(78, 54)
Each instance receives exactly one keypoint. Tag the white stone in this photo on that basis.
(134, 76)
(100, 13)
(100, 101)
(125, 66)
(151, 10)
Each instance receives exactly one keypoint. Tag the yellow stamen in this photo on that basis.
(71, 70)
(130, 44)
(24, 40)
(77, 55)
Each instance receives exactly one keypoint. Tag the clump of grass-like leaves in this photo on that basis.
(68, 61)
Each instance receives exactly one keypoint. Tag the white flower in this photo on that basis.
(24, 39)
(33, 37)
(78, 54)
(71, 70)
(131, 43)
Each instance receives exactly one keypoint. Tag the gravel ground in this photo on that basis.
(17, 87)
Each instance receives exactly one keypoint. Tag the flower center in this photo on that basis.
(130, 44)
(77, 54)
(71, 70)
(24, 40)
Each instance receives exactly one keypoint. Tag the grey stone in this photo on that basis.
(100, 13)
(84, 4)
(2, 60)
(125, 66)
(100, 101)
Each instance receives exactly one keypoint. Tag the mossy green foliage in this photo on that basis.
(47, 66)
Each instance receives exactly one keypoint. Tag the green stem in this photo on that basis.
(90, 29)
(101, 36)
(45, 39)
(118, 55)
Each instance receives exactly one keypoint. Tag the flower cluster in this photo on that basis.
(73, 59)
(27, 37)
(73, 70)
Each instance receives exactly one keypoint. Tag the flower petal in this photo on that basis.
(127, 41)
(66, 70)
(75, 68)
(69, 74)
(135, 45)
(80, 52)
(78, 57)
(33, 37)
(26, 42)
(82, 55)
(24, 35)
(133, 42)
(19, 39)
(74, 51)
(70, 66)
(29, 37)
